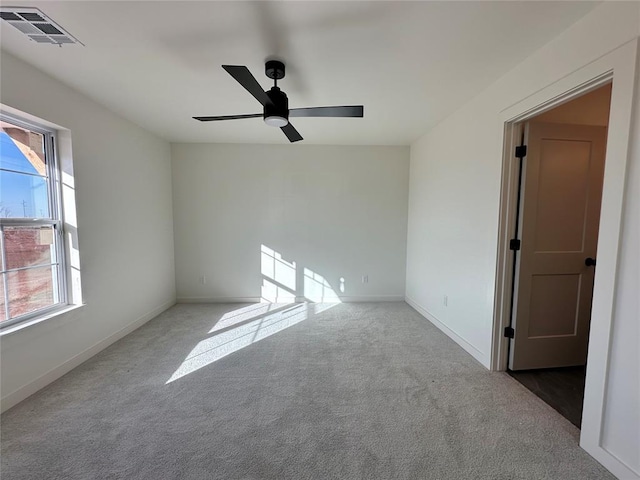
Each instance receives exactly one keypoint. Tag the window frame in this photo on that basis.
(55, 220)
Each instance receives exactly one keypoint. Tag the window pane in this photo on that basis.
(31, 290)
(23, 196)
(29, 246)
(21, 150)
(2, 304)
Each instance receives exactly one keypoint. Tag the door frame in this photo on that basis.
(619, 67)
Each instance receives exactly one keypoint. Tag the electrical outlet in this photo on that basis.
(445, 300)
(203, 279)
(365, 279)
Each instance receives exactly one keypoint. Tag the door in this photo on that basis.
(560, 212)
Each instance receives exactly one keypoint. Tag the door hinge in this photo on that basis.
(521, 151)
(514, 244)
(509, 332)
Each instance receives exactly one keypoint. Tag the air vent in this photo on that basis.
(37, 26)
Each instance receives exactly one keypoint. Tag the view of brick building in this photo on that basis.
(28, 277)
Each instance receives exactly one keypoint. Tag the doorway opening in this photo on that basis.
(606, 397)
(557, 211)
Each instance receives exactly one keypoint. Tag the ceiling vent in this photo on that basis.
(37, 26)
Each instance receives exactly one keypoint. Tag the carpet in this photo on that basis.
(303, 391)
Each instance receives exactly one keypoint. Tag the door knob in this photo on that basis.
(590, 262)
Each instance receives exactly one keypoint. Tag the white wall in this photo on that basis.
(124, 214)
(454, 200)
(339, 211)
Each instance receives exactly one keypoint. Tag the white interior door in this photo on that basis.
(560, 212)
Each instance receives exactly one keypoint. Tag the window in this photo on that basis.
(32, 279)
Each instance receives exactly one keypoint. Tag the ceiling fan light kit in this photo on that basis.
(276, 113)
(275, 103)
(276, 121)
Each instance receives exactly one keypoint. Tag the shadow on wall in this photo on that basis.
(276, 311)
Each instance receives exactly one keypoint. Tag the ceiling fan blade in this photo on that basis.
(228, 117)
(344, 111)
(291, 133)
(243, 77)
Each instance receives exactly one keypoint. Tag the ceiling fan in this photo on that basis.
(276, 111)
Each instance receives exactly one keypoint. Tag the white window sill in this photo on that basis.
(42, 318)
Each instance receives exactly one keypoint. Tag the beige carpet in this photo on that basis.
(355, 391)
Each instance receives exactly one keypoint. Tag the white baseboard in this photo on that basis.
(372, 298)
(217, 299)
(29, 389)
(343, 299)
(470, 349)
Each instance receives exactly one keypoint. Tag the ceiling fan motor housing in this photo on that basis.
(279, 105)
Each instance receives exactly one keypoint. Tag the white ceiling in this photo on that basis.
(409, 63)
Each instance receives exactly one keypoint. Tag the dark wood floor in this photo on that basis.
(562, 388)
